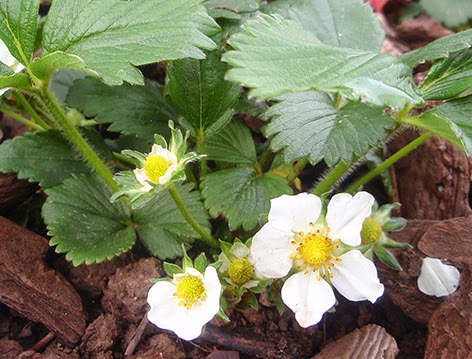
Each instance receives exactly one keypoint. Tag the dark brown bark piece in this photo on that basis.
(433, 182)
(160, 346)
(449, 331)
(401, 287)
(31, 288)
(371, 341)
(223, 354)
(449, 239)
(9, 348)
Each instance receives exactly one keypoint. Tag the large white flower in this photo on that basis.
(187, 303)
(159, 167)
(7, 58)
(298, 236)
(438, 279)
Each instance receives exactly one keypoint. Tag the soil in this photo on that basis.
(55, 310)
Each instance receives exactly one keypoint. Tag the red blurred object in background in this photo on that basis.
(379, 5)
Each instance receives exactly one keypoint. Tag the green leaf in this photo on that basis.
(162, 227)
(308, 125)
(200, 93)
(133, 110)
(334, 22)
(451, 120)
(84, 224)
(16, 80)
(44, 67)
(439, 49)
(45, 157)
(18, 26)
(274, 56)
(230, 9)
(449, 78)
(62, 81)
(241, 196)
(233, 144)
(452, 12)
(114, 36)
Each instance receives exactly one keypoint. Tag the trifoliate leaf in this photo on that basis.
(44, 67)
(200, 93)
(84, 224)
(132, 110)
(45, 157)
(450, 77)
(439, 49)
(340, 23)
(452, 12)
(233, 144)
(274, 56)
(162, 227)
(308, 125)
(18, 26)
(451, 120)
(114, 36)
(242, 196)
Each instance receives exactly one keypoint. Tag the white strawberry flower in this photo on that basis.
(298, 236)
(187, 303)
(159, 167)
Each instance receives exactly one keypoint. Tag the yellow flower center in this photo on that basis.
(155, 167)
(371, 231)
(316, 251)
(240, 271)
(190, 289)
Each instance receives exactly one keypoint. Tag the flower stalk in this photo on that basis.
(205, 236)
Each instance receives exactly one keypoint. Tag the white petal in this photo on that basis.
(346, 215)
(271, 250)
(295, 213)
(355, 277)
(308, 297)
(161, 151)
(438, 279)
(168, 175)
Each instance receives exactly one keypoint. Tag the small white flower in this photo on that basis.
(159, 167)
(438, 279)
(296, 235)
(7, 58)
(187, 303)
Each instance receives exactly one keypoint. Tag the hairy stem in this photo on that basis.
(297, 169)
(331, 178)
(388, 162)
(76, 138)
(27, 106)
(205, 236)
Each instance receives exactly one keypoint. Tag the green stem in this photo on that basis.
(27, 106)
(297, 169)
(266, 158)
(388, 162)
(205, 236)
(331, 178)
(21, 119)
(76, 138)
